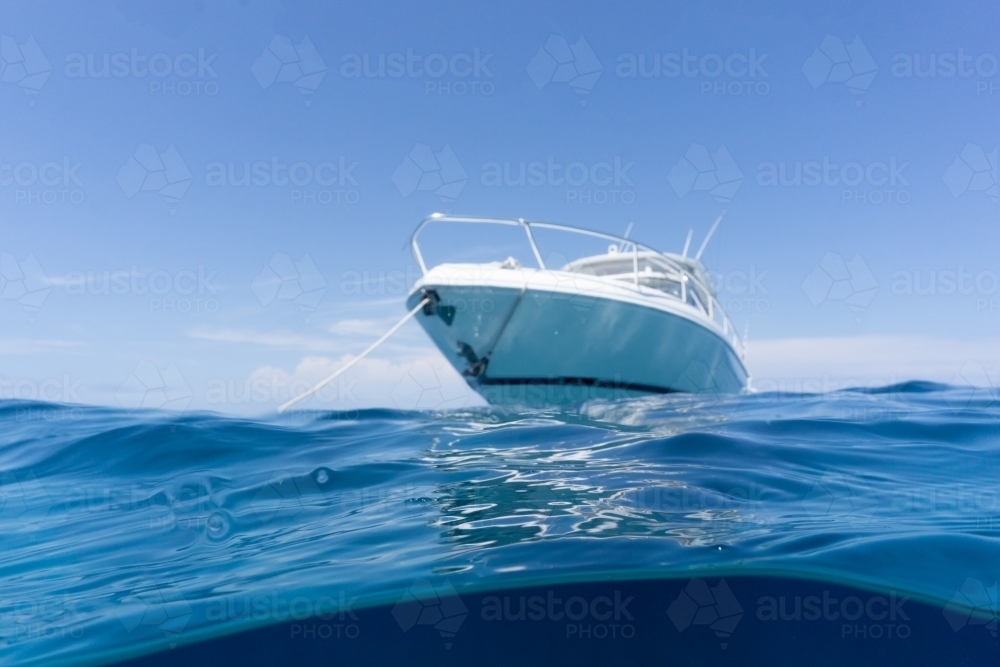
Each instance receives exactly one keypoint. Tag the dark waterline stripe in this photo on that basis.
(576, 381)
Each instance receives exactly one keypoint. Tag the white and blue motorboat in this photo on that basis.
(628, 322)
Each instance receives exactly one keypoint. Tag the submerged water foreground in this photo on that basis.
(763, 529)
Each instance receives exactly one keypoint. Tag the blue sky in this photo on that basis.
(619, 108)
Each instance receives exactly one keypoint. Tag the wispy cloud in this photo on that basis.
(267, 339)
(24, 346)
(350, 328)
(346, 332)
(867, 360)
(420, 381)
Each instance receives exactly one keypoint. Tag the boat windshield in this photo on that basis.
(653, 272)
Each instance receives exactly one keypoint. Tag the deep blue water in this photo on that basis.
(708, 529)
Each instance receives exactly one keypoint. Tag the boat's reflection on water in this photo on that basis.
(558, 497)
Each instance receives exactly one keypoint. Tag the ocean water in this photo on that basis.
(856, 527)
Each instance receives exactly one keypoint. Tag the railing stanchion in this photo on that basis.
(531, 240)
(635, 263)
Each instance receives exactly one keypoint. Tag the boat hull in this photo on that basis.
(545, 346)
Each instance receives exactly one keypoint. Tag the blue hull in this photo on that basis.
(555, 348)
